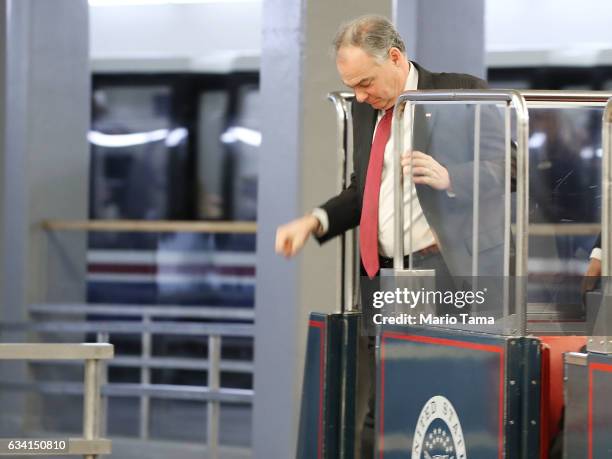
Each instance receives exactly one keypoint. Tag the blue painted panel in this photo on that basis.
(441, 394)
(310, 442)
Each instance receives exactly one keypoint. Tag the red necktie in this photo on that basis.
(368, 227)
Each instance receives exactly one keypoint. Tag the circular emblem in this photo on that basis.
(438, 433)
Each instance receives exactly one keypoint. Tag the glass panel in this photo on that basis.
(564, 213)
(459, 204)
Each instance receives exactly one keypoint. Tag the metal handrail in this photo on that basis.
(601, 342)
(179, 363)
(164, 391)
(56, 351)
(344, 153)
(90, 446)
(150, 226)
(606, 211)
(130, 310)
(121, 327)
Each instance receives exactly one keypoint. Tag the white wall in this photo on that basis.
(547, 23)
(563, 32)
(209, 35)
(176, 35)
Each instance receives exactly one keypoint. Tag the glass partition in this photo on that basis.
(514, 222)
(565, 158)
(463, 157)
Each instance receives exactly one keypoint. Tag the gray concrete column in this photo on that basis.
(3, 96)
(44, 158)
(45, 154)
(444, 35)
(297, 171)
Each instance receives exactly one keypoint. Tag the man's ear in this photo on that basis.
(395, 55)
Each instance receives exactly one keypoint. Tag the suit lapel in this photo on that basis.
(424, 116)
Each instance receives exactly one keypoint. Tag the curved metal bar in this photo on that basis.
(522, 209)
(347, 248)
(398, 183)
(606, 211)
(341, 275)
(339, 101)
(458, 95)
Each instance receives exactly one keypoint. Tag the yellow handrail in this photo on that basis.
(151, 226)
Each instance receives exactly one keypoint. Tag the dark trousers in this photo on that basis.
(444, 282)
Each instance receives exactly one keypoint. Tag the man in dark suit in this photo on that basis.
(370, 57)
(371, 60)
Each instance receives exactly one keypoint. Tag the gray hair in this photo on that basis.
(374, 34)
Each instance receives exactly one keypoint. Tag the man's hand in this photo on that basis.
(426, 170)
(592, 275)
(291, 237)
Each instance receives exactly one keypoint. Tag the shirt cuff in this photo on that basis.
(596, 253)
(321, 215)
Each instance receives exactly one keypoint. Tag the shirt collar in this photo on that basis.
(412, 82)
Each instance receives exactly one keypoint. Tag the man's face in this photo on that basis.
(375, 83)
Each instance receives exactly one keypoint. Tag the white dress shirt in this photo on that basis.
(422, 235)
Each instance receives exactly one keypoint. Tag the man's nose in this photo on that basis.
(360, 95)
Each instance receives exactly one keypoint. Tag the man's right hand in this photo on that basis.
(291, 237)
(592, 275)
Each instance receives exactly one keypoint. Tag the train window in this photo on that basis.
(213, 106)
(132, 140)
(244, 138)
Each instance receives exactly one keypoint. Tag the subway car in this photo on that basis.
(174, 144)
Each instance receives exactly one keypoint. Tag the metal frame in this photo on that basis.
(603, 344)
(606, 211)
(511, 99)
(91, 445)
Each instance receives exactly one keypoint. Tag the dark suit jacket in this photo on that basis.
(597, 244)
(452, 145)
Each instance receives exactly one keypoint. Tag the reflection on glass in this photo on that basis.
(565, 201)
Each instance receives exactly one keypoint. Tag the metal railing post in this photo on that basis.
(601, 341)
(103, 338)
(214, 406)
(344, 152)
(145, 379)
(91, 402)
(606, 208)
